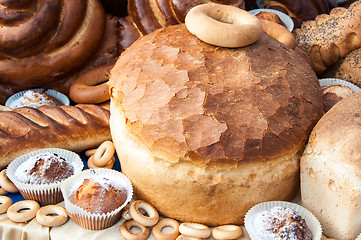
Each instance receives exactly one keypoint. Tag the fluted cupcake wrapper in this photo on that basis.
(311, 221)
(44, 194)
(95, 221)
(324, 82)
(284, 18)
(58, 95)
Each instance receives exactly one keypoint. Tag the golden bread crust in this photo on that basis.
(186, 99)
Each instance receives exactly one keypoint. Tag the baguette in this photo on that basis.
(75, 128)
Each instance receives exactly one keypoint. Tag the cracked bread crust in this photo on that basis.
(188, 100)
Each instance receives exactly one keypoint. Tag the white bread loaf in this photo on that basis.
(330, 170)
(204, 132)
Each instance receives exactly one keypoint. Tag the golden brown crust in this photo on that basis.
(331, 37)
(175, 102)
(75, 128)
(349, 68)
(67, 51)
(338, 131)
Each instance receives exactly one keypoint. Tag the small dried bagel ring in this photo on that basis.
(227, 232)
(152, 213)
(125, 214)
(166, 222)
(223, 25)
(104, 153)
(87, 88)
(196, 230)
(90, 152)
(279, 32)
(6, 183)
(5, 203)
(23, 211)
(183, 237)
(52, 215)
(3, 191)
(91, 163)
(125, 230)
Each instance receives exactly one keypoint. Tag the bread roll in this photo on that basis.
(204, 132)
(75, 128)
(331, 37)
(330, 170)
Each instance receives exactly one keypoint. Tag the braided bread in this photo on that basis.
(145, 16)
(75, 128)
(331, 37)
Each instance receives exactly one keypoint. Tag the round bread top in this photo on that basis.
(337, 136)
(185, 99)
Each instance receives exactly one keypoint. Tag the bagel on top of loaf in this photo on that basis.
(205, 132)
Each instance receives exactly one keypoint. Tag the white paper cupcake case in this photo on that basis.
(58, 95)
(285, 18)
(324, 82)
(95, 221)
(358, 237)
(44, 194)
(311, 221)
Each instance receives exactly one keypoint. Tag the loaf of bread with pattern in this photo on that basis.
(75, 128)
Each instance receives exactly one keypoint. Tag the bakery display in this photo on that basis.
(331, 37)
(329, 170)
(94, 198)
(39, 174)
(75, 128)
(198, 125)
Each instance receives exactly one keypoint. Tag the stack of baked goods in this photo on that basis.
(206, 132)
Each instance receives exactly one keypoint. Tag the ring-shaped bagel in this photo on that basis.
(166, 222)
(279, 32)
(135, 213)
(104, 153)
(92, 165)
(92, 86)
(183, 237)
(90, 152)
(223, 25)
(126, 214)
(195, 230)
(5, 203)
(227, 232)
(3, 191)
(125, 230)
(52, 215)
(23, 211)
(6, 183)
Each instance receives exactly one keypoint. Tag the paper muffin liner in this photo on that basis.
(95, 221)
(284, 18)
(325, 82)
(44, 194)
(58, 95)
(311, 221)
(358, 237)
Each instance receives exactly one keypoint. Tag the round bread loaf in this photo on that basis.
(330, 170)
(204, 132)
